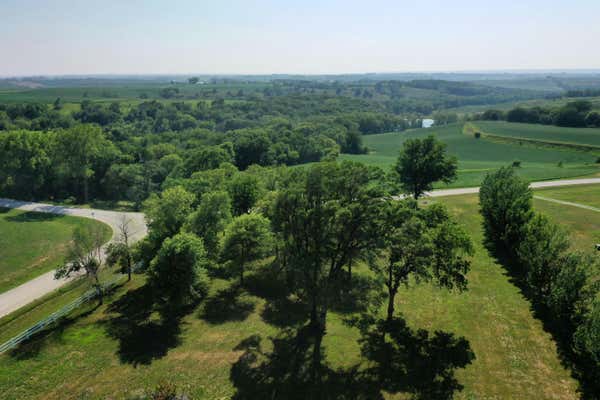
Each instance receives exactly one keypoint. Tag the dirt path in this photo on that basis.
(34, 289)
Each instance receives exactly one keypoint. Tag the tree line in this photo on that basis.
(561, 283)
(576, 114)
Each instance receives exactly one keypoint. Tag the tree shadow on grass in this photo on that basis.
(358, 296)
(285, 312)
(33, 217)
(285, 372)
(230, 304)
(413, 363)
(142, 338)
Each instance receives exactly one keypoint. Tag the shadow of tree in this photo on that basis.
(33, 217)
(358, 296)
(404, 361)
(285, 312)
(230, 304)
(285, 373)
(141, 338)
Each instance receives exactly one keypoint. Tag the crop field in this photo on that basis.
(543, 133)
(100, 354)
(477, 157)
(33, 243)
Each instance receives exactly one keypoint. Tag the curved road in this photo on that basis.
(22, 295)
(44, 284)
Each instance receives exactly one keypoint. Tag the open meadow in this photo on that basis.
(32, 243)
(107, 351)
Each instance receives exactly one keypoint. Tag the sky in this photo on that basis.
(61, 37)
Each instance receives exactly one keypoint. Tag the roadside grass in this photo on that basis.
(588, 195)
(101, 354)
(33, 243)
(477, 157)
(20, 320)
(582, 224)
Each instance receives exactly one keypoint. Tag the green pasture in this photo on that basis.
(542, 133)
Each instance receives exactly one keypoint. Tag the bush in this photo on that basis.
(477, 135)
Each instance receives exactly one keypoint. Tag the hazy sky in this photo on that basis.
(307, 36)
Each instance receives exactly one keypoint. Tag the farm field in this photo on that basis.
(548, 133)
(477, 157)
(33, 243)
(515, 357)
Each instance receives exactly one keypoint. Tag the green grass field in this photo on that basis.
(515, 357)
(543, 133)
(477, 157)
(584, 225)
(33, 243)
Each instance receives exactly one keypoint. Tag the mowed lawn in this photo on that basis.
(32, 243)
(477, 157)
(515, 357)
(583, 225)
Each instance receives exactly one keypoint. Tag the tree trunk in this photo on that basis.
(318, 331)
(242, 275)
(99, 291)
(350, 271)
(390, 307)
(85, 189)
(391, 294)
(128, 267)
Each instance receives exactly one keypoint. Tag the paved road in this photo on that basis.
(534, 185)
(22, 295)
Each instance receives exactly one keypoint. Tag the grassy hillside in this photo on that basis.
(476, 157)
(33, 243)
(102, 354)
(543, 133)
